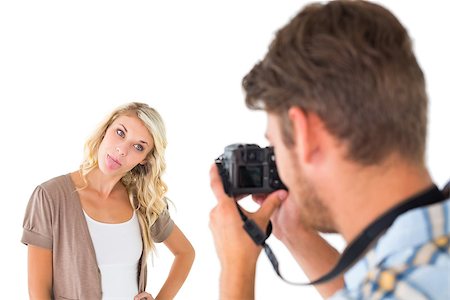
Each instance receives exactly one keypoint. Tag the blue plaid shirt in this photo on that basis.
(411, 261)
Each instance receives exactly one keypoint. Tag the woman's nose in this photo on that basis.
(120, 151)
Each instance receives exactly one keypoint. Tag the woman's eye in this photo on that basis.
(120, 133)
(139, 147)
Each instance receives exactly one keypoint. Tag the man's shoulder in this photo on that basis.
(411, 261)
(405, 281)
(423, 275)
(420, 270)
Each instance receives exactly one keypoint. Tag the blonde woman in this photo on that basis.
(89, 232)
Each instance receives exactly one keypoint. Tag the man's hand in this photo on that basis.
(286, 220)
(310, 250)
(236, 250)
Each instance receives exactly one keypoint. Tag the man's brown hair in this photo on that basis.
(352, 63)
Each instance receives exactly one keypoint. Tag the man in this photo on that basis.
(347, 112)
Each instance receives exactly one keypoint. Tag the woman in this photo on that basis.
(89, 232)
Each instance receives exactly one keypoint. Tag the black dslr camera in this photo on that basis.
(248, 169)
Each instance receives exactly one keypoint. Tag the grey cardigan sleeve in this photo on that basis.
(37, 224)
(162, 227)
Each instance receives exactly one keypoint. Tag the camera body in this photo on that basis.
(248, 169)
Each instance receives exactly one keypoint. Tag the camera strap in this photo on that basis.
(358, 247)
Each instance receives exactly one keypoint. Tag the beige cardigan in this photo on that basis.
(54, 220)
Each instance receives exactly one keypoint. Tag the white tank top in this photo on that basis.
(118, 248)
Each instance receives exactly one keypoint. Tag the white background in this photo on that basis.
(65, 64)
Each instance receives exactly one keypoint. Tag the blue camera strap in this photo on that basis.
(358, 247)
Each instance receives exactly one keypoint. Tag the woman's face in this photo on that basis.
(126, 144)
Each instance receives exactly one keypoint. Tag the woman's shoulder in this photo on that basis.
(58, 187)
(55, 182)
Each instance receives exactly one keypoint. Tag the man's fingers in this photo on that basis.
(271, 203)
(217, 185)
(259, 198)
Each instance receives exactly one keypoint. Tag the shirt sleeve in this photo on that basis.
(37, 224)
(162, 227)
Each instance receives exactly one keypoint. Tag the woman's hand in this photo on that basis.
(143, 296)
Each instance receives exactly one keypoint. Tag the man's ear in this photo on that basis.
(304, 130)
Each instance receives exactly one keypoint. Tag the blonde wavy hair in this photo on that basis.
(145, 187)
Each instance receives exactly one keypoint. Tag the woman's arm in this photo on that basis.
(184, 253)
(40, 273)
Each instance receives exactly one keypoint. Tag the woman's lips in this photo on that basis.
(112, 163)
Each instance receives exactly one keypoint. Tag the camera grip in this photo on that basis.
(224, 177)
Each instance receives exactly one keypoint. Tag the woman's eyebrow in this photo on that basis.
(125, 129)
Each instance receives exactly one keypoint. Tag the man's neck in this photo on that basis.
(365, 193)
